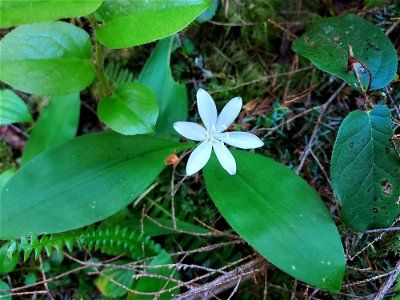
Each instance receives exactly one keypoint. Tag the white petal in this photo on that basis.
(207, 109)
(242, 140)
(191, 131)
(198, 158)
(225, 157)
(228, 114)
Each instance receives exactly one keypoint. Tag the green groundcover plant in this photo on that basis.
(66, 184)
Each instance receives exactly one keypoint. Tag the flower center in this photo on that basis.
(211, 134)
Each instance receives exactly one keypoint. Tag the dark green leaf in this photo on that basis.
(131, 109)
(365, 170)
(326, 42)
(56, 125)
(35, 11)
(153, 284)
(280, 216)
(130, 23)
(172, 97)
(80, 182)
(47, 59)
(12, 108)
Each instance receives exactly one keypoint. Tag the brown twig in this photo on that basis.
(388, 284)
(226, 281)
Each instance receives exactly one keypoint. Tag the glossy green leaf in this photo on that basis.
(47, 59)
(172, 96)
(5, 286)
(365, 170)
(34, 11)
(130, 23)
(12, 108)
(153, 284)
(280, 216)
(56, 125)
(131, 109)
(80, 182)
(122, 276)
(326, 42)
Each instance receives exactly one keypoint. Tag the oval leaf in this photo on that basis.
(34, 11)
(12, 108)
(326, 42)
(56, 125)
(365, 170)
(280, 216)
(80, 182)
(172, 96)
(106, 284)
(130, 23)
(132, 109)
(47, 59)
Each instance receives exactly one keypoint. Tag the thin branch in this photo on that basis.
(226, 281)
(307, 151)
(388, 284)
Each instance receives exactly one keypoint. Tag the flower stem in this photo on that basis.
(99, 63)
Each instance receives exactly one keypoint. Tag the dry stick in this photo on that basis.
(383, 230)
(368, 280)
(396, 107)
(49, 295)
(145, 193)
(307, 151)
(272, 22)
(391, 28)
(321, 167)
(225, 282)
(173, 197)
(385, 288)
(235, 289)
(23, 294)
(49, 279)
(378, 238)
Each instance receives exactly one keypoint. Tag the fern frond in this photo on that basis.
(107, 239)
(118, 75)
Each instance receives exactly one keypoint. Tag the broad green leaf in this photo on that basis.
(123, 276)
(131, 109)
(209, 13)
(128, 23)
(365, 170)
(7, 264)
(5, 177)
(280, 216)
(153, 284)
(47, 59)
(56, 125)
(172, 96)
(12, 108)
(80, 182)
(4, 286)
(326, 42)
(35, 11)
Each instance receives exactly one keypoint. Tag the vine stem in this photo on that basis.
(99, 62)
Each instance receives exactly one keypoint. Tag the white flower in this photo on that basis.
(213, 135)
